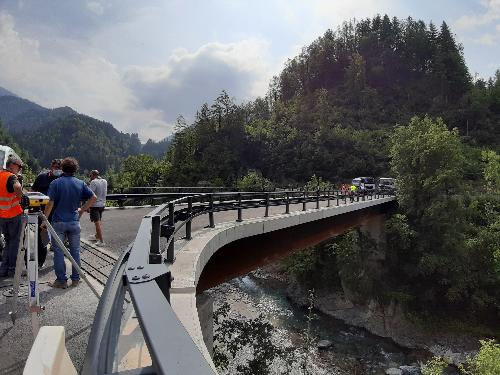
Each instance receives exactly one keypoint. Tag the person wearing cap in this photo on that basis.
(65, 195)
(11, 212)
(100, 188)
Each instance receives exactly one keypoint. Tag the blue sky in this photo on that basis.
(140, 64)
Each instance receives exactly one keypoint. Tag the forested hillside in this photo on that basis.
(331, 110)
(95, 144)
(51, 133)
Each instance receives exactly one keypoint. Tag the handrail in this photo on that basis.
(144, 273)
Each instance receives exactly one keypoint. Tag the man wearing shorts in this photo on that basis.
(100, 188)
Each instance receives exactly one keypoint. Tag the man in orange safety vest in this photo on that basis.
(11, 212)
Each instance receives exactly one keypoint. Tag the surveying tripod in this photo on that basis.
(29, 245)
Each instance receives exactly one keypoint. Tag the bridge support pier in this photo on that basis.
(374, 227)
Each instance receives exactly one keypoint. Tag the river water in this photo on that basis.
(353, 351)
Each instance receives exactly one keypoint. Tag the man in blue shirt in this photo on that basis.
(66, 193)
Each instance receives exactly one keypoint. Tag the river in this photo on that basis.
(353, 350)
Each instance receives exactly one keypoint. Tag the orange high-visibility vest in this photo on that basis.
(9, 202)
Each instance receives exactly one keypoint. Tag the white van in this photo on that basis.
(5, 153)
(364, 183)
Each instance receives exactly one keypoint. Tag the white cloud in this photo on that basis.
(189, 79)
(95, 7)
(87, 83)
(143, 99)
(486, 39)
(491, 14)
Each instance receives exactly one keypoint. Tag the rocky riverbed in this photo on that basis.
(327, 344)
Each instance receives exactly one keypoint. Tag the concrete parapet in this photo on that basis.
(48, 354)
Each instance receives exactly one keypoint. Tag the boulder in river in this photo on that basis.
(393, 371)
(324, 344)
(410, 370)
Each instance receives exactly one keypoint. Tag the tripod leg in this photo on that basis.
(19, 265)
(32, 257)
(66, 252)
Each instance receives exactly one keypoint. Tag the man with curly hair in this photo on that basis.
(65, 196)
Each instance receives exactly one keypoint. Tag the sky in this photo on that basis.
(141, 64)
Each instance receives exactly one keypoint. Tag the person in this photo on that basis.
(65, 195)
(11, 212)
(100, 188)
(43, 180)
(353, 191)
(41, 184)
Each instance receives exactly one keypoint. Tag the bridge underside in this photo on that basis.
(242, 256)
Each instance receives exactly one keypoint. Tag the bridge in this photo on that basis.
(198, 241)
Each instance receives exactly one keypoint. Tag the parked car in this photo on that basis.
(366, 184)
(386, 185)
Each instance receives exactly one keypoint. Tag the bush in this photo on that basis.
(254, 181)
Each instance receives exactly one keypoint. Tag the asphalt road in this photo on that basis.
(120, 225)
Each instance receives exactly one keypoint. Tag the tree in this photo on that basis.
(427, 163)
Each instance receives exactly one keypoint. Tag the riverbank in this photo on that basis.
(385, 321)
(330, 345)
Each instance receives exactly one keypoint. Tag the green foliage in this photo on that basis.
(302, 265)
(435, 366)
(317, 183)
(95, 144)
(254, 181)
(491, 170)
(426, 159)
(486, 361)
(235, 334)
(156, 149)
(444, 246)
(344, 262)
(31, 163)
(141, 170)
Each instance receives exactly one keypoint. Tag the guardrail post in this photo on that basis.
(154, 246)
(287, 207)
(211, 212)
(317, 199)
(328, 201)
(304, 201)
(188, 222)
(239, 219)
(266, 214)
(171, 222)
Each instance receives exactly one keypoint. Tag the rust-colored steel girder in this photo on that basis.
(247, 254)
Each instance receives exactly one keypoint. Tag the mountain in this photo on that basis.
(95, 144)
(4, 92)
(156, 149)
(18, 114)
(55, 133)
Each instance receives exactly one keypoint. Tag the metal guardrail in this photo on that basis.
(151, 198)
(143, 272)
